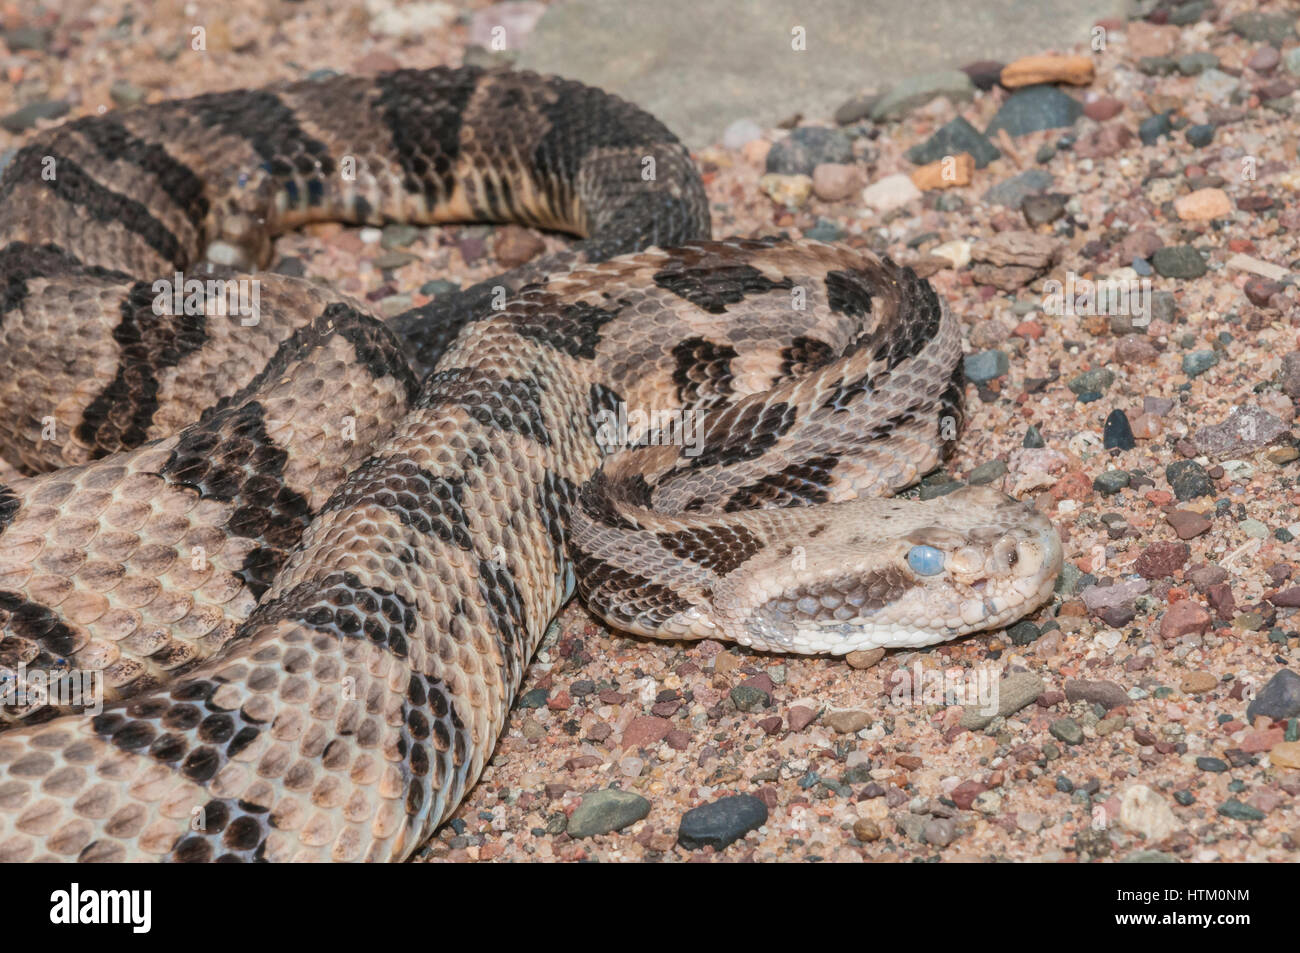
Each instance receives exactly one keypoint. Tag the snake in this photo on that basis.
(270, 577)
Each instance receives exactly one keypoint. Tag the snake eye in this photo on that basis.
(925, 560)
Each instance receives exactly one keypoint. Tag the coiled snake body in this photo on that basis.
(310, 584)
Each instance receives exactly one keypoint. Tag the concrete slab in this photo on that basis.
(699, 65)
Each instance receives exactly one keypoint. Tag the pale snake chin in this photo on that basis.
(309, 583)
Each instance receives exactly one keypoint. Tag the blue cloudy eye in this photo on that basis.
(925, 560)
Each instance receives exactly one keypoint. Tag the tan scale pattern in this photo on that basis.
(353, 708)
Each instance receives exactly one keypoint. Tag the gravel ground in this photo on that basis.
(1150, 712)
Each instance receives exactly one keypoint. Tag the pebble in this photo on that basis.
(847, 721)
(1245, 430)
(605, 811)
(1145, 812)
(1198, 362)
(1162, 559)
(398, 236)
(946, 173)
(988, 802)
(959, 252)
(1100, 692)
(791, 191)
(1292, 61)
(1117, 434)
(28, 38)
(1276, 28)
(720, 823)
(1285, 754)
(1012, 192)
(1102, 108)
(125, 93)
(438, 286)
(391, 260)
(952, 139)
(741, 132)
(20, 120)
(1023, 632)
(1150, 39)
(1015, 691)
(1043, 209)
(1200, 135)
(1097, 380)
(1193, 64)
(856, 108)
(1178, 261)
(986, 365)
(1216, 86)
(985, 74)
(939, 831)
(866, 830)
(1067, 730)
(1077, 70)
(1203, 205)
(1035, 108)
(749, 698)
(891, 192)
(834, 181)
(1182, 618)
(867, 658)
(824, 231)
(1264, 59)
(920, 89)
(800, 717)
(808, 147)
(1278, 699)
(1151, 129)
(1157, 65)
(987, 472)
(1188, 480)
(1110, 482)
(1212, 765)
(1198, 683)
(1238, 811)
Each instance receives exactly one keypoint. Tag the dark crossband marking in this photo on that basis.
(597, 502)
(342, 605)
(745, 435)
(573, 328)
(713, 288)
(702, 368)
(555, 497)
(30, 622)
(921, 312)
(798, 484)
(803, 355)
(507, 403)
(429, 504)
(269, 126)
(72, 184)
(119, 417)
(231, 458)
(10, 504)
(720, 549)
(424, 111)
(505, 610)
(433, 740)
(624, 596)
(20, 262)
(115, 143)
(849, 292)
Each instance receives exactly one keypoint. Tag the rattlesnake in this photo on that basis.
(311, 584)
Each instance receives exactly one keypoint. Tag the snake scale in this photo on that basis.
(308, 556)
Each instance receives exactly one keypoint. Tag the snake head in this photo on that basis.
(893, 573)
